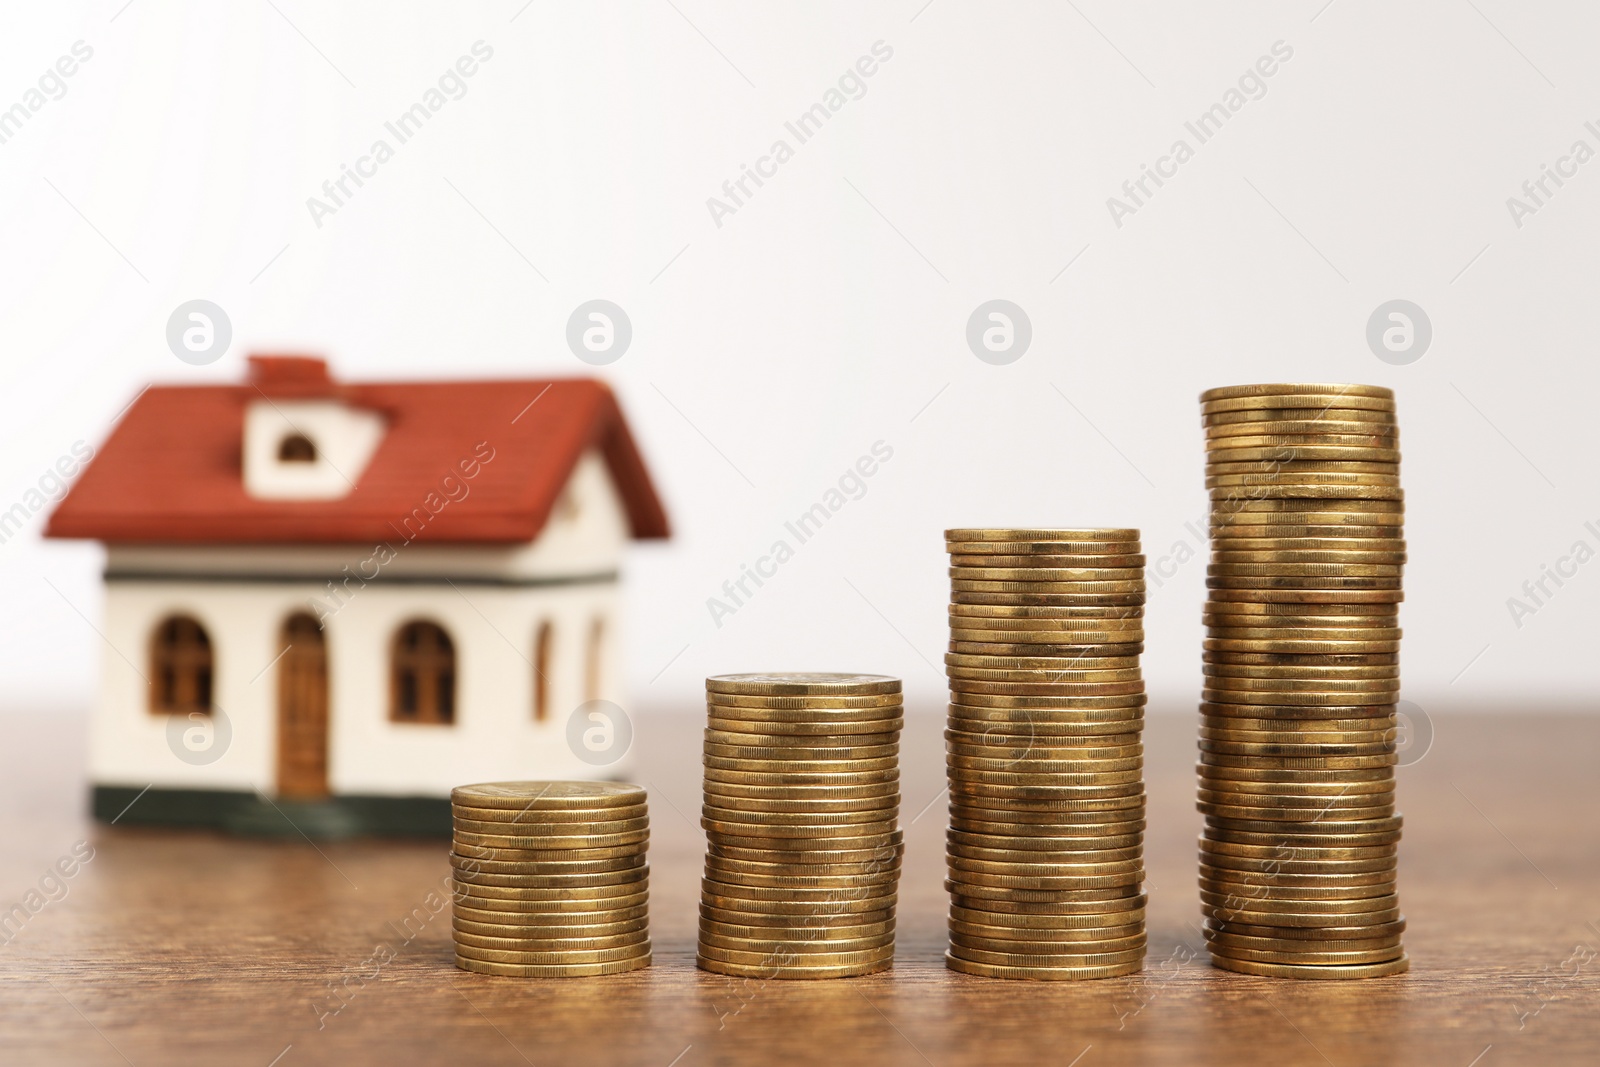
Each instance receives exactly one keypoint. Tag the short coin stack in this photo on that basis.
(551, 879)
(1044, 753)
(802, 797)
(1297, 739)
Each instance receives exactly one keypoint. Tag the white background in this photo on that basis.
(829, 311)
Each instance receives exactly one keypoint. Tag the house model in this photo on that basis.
(327, 604)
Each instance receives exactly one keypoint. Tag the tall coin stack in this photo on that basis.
(802, 797)
(1044, 754)
(550, 878)
(1297, 738)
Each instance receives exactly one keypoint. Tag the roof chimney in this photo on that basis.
(283, 375)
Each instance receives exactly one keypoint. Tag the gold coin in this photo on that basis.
(802, 684)
(1291, 713)
(876, 715)
(821, 783)
(796, 933)
(1095, 903)
(1271, 910)
(1301, 427)
(546, 959)
(772, 832)
(829, 817)
(1313, 866)
(1312, 934)
(1031, 960)
(764, 754)
(1074, 549)
(1293, 389)
(1084, 867)
(1303, 659)
(1213, 694)
(563, 866)
(821, 959)
(563, 970)
(798, 765)
(1341, 597)
(560, 821)
(1363, 727)
(1091, 850)
(1304, 790)
(1291, 568)
(844, 884)
(960, 534)
(968, 944)
(985, 686)
(558, 912)
(1245, 535)
(1103, 601)
(1337, 546)
(771, 969)
(1365, 453)
(1052, 575)
(1030, 560)
(547, 931)
(1331, 399)
(604, 943)
(531, 842)
(802, 703)
(1245, 419)
(1284, 642)
(1023, 924)
(1086, 709)
(1302, 671)
(974, 884)
(784, 919)
(1042, 974)
(1381, 435)
(1292, 816)
(555, 920)
(1126, 676)
(803, 947)
(1296, 853)
(1334, 614)
(1072, 666)
(1307, 557)
(1297, 748)
(1067, 616)
(1041, 767)
(583, 796)
(796, 746)
(869, 732)
(985, 935)
(1313, 958)
(553, 881)
(1074, 748)
(1045, 642)
(1288, 840)
(1340, 886)
(625, 895)
(1313, 971)
(532, 827)
(1087, 587)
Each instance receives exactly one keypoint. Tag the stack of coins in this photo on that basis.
(802, 797)
(1043, 749)
(1297, 739)
(550, 878)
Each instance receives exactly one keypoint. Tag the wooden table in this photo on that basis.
(190, 948)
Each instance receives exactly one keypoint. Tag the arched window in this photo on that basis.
(180, 667)
(423, 675)
(297, 448)
(592, 661)
(541, 673)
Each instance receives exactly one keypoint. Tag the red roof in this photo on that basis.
(171, 469)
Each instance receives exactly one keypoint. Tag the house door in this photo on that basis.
(303, 710)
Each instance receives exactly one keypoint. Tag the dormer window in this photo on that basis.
(307, 448)
(297, 448)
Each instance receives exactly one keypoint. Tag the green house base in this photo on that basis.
(255, 815)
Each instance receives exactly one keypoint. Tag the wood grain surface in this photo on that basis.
(192, 948)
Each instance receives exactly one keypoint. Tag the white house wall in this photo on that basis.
(492, 620)
(494, 735)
